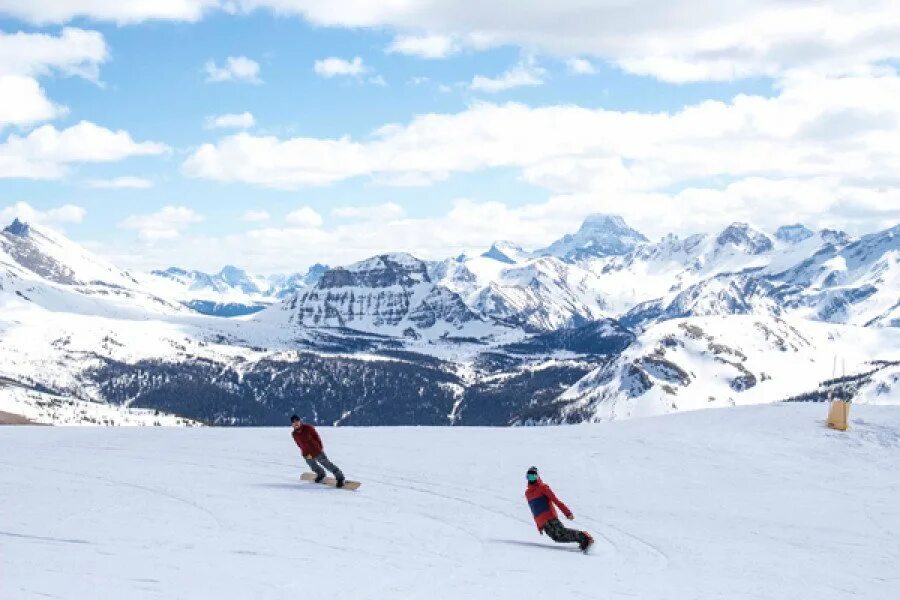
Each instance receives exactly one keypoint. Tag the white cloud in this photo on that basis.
(242, 120)
(470, 225)
(682, 41)
(274, 163)
(525, 73)
(46, 152)
(304, 217)
(127, 182)
(842, 127)
(389, 211)
(334, 66)
(256, 216)
(236, 68)
(580, 66)
(74, 52)
(23, 102)
(425, 46)
(67, 213)
(165, 224)
(688, 40)
(43, 12)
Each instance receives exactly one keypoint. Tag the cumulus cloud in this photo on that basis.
(47, 152)
(304, 217)
(470, 225)
(116, 183)
(165, 224)
(424, 46)
(256, 216)
(67, 213)
(334, 67)
(236, 68)
(525, 73)
(571, 149)
(23, 102)
(689, 40)
(44, 12)
(74, 52)
(242, 120)
(580, 66)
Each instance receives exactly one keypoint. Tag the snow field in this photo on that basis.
(752, 502)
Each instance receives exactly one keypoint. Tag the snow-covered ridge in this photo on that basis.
(507, 336)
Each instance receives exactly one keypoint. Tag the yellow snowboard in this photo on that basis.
(348, 485)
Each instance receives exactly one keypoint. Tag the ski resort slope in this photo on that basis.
(758, 502)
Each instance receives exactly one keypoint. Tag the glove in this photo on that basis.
(308, 457)
(570, 517)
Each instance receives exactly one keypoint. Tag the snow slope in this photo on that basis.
(741, 503)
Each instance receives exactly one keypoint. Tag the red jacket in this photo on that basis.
(541, 500)
(308, 440)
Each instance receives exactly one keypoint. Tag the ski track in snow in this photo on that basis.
(760, 502)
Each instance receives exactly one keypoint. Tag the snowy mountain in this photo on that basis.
(43, 268)
(599, 235)
(52, 257)
(793, 234)
(825, 277)
(688, 364)
(503, 337)
(506, 252)
(536, 294)
(391, 294)
(232, 291)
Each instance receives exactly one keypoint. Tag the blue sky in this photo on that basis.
(672, 136)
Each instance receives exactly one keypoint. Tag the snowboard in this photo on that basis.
(348, 485)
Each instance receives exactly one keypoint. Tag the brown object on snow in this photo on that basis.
(839, 415)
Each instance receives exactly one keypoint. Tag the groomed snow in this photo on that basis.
(755, 502)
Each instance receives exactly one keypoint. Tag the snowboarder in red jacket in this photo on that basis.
(541, 500)
(307, 438)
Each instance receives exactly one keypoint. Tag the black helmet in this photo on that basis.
(532, 471)
(532, 475)
(294, 418)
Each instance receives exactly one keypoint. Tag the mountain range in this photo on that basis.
(601, 324)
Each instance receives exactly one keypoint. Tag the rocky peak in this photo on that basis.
(18, 228)
(599, 235)
(506, 252)
(834, 236)
(793, 234)
(232, 275)
(744, 238)
(381, 271)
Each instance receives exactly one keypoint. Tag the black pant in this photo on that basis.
(562, 534)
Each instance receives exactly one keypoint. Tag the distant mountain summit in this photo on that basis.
(18, 228)
(742, 237)
(506, 252)
(793, 234)
(599, 235)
